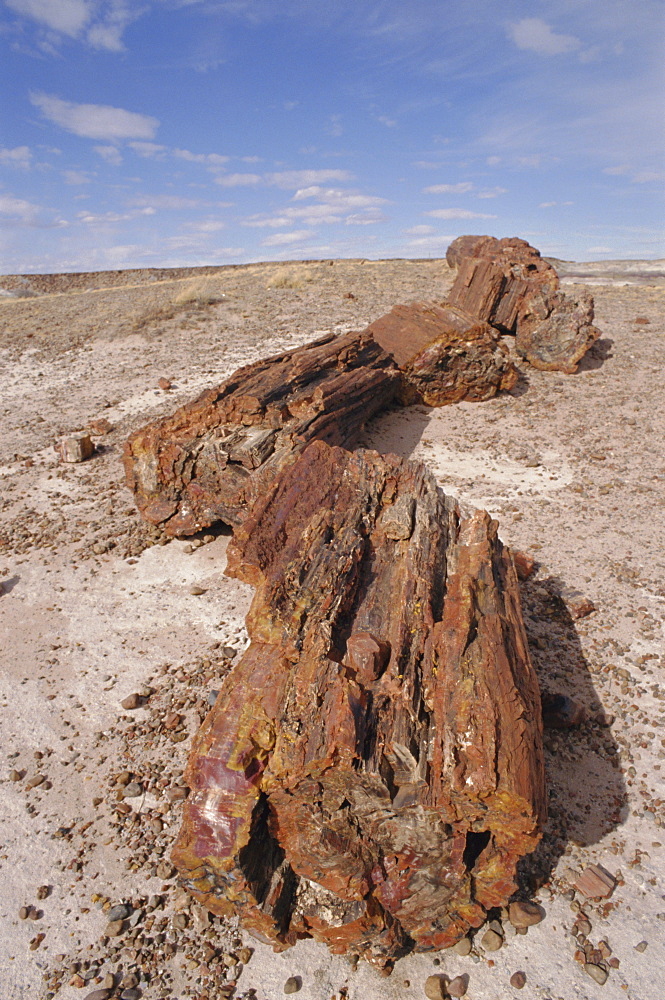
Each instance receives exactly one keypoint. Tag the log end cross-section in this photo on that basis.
(372, 770)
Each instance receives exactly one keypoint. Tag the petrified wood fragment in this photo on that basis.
(444, 354)
(372, 769)
(210, 460)
(508, 284)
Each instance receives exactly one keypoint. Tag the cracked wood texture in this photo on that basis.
(372, 770)
(210, 460)
(444, 354)
(508, 284)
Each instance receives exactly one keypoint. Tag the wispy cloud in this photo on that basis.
(109, 153)
(209, 159)
(106, 218)
(462, 188)
(535, 35)
(95, 121)
(68, 17)
(19, 156)
(293, 179)
(457, 213)
(286, 239)
(238, 180)
(419, 231)
(76, 177)
(149, 150)
(20, 213)
(99, 23)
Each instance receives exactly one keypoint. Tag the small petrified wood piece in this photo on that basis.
(210, 460)
(372, 770)
(444, 354)
(508, 284)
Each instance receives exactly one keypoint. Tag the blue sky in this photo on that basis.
(145, 133)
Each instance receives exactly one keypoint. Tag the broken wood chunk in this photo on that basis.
(75, 448)
(444, 354)
(212, 458)
(371, 771)
(595, 882)
(508, 284)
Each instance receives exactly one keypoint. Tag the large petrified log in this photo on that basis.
(210, 460)
(372, 769)
(444, 354)
(508, 284)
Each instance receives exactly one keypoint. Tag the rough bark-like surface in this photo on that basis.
(212, 458)
(444, 354)
(372, 769)
(508, 284)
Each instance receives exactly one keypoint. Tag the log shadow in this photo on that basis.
(6, 586)
(587, 793)
(596, 356)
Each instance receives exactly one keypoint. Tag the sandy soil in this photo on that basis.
(95, 606)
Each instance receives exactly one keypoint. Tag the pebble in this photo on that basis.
(43, 891)
(24, 913)
(131, 994)
(596, 972)
(164, 383)
(491, 941)
(518, 980)
(14, 775)
(293, 984)
(525, 914)
(435, 988)
(36, 780)
(131, 701)
(119, 912)
(103, 994)
(196, 591)
(642, 946)
(133, 790)
(463, 946)
(458, 986)
(114, 928)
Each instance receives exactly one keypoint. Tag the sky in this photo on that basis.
(166, 133)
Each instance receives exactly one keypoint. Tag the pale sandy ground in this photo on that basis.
(572, 466)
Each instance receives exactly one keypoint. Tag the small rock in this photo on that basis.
(524, 564)
(131, 994)
(165, 870)
(463, 946)
(119, 912)
(76, 448)
(172, 720)
(525, 914)
(293, 984)
(133, 790)
(435, 988)
(518, 980)
(196, 591)
(131, 702)
(244, 955)
(33, 782)
(24, 913)
(101, 426)
(560, 711)
(15, 775)
(596, 972)
(43, 891)
(102, 994)
(164, 383)
(114, 928)
(212, 697)
(642, 946)
(458, 986)
(491, 941)
(595, 882)
(641, 321)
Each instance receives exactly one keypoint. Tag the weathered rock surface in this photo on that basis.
(372, 769)
(508, 284)
(444, 354)
(212, 458)
(76, 448)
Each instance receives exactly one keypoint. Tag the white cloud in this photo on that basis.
(462, 188)
(19, 213)
(338, 197)
(148, 150)
(292, 179)
(535, 35)
(76, 176)
(430, 242)
(457, 213)
(285, 239)
(419, 231)
(109, 217)
(109, 153)
(19, 156)
(171, 201)
(388, 122)
(211, 159)
(238, 180)
(599, 250)
(206, 226)
(68, 17)
(492, 192)
(95, 121)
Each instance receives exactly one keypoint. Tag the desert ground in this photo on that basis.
(97, 606)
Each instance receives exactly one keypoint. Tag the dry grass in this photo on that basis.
(203, 291)
(290, 277)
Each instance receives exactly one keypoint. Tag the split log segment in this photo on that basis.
(210, 460)
(372, 770)
(444, 354)
(508, 284)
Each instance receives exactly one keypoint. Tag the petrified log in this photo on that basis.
(212, 458)
(508, 284)
(444, 354)
(372, 769)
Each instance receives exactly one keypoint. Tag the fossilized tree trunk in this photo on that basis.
(212, 458)
(508, 284)
(372, 769)
(444, 354)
